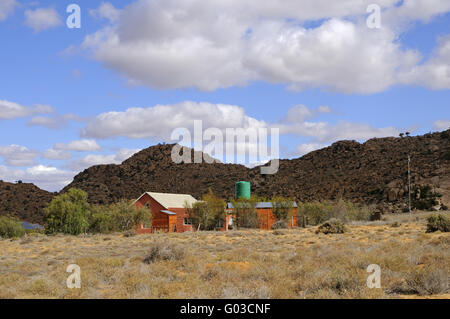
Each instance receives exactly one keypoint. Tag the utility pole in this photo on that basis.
(409, 182)
(409, 171)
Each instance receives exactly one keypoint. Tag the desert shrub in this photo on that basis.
(282, 207)
(427, 281)
(444, 207)
(354, 212)
(278, 232)
(244, 212)
(319, 212)
(333, 226)
(316, 212)
(438, 223)
(281, 224)
(10, 227)
(395, 224)
(121, 216)
(163, 250)
(129, 233)
(425, 198)
(67, 213)
(209, 213)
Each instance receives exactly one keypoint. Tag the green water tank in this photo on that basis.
(242, 190)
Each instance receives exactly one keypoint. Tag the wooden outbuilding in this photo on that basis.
(168, 212)
(266, 217)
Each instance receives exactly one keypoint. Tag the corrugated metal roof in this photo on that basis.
(261, 205)
(172, 200)
(168, 212)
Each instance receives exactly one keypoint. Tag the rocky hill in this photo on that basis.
(374, 172)
(24, 201)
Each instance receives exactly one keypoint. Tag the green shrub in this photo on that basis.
(281, 224)
(319, 212)
(333, 226)
(282, 207)
(118, 217)
(68, 213)
(244, 212)
(209, 213)
(10, 227)
(438, 223)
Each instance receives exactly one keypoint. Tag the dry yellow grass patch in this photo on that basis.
(237, 264)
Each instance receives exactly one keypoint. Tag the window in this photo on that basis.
(187, 221)
(147, 205)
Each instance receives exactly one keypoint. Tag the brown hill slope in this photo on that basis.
(375, 172)
(372, 173)
(23, 200)
(152, 169)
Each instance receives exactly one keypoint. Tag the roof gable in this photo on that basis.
(172, 200)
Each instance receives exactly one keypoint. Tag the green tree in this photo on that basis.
(117, 217)
(244, 212)
(209, 213)
(282, 207)
(10, 227)
(68, 213)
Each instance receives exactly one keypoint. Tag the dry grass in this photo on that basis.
(237, 264)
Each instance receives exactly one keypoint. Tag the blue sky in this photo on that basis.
(57, 82)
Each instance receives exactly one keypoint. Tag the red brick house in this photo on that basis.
(168, 211)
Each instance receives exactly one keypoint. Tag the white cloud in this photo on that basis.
(6, 8)
(301, 113)
(10, 110)
(442, 125)
(159, 121)
(79, 146)
(338, 55)
(324, 109)
(124, 153)
(97, 159)
(416, 10)
(358, 131)
(298, 121)
(217, 44)
(17, 155)
(57, 154)
(45, 177)
(434, 73)
(306, 148)
(106, 11)
(55, 122)
(42, 19)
